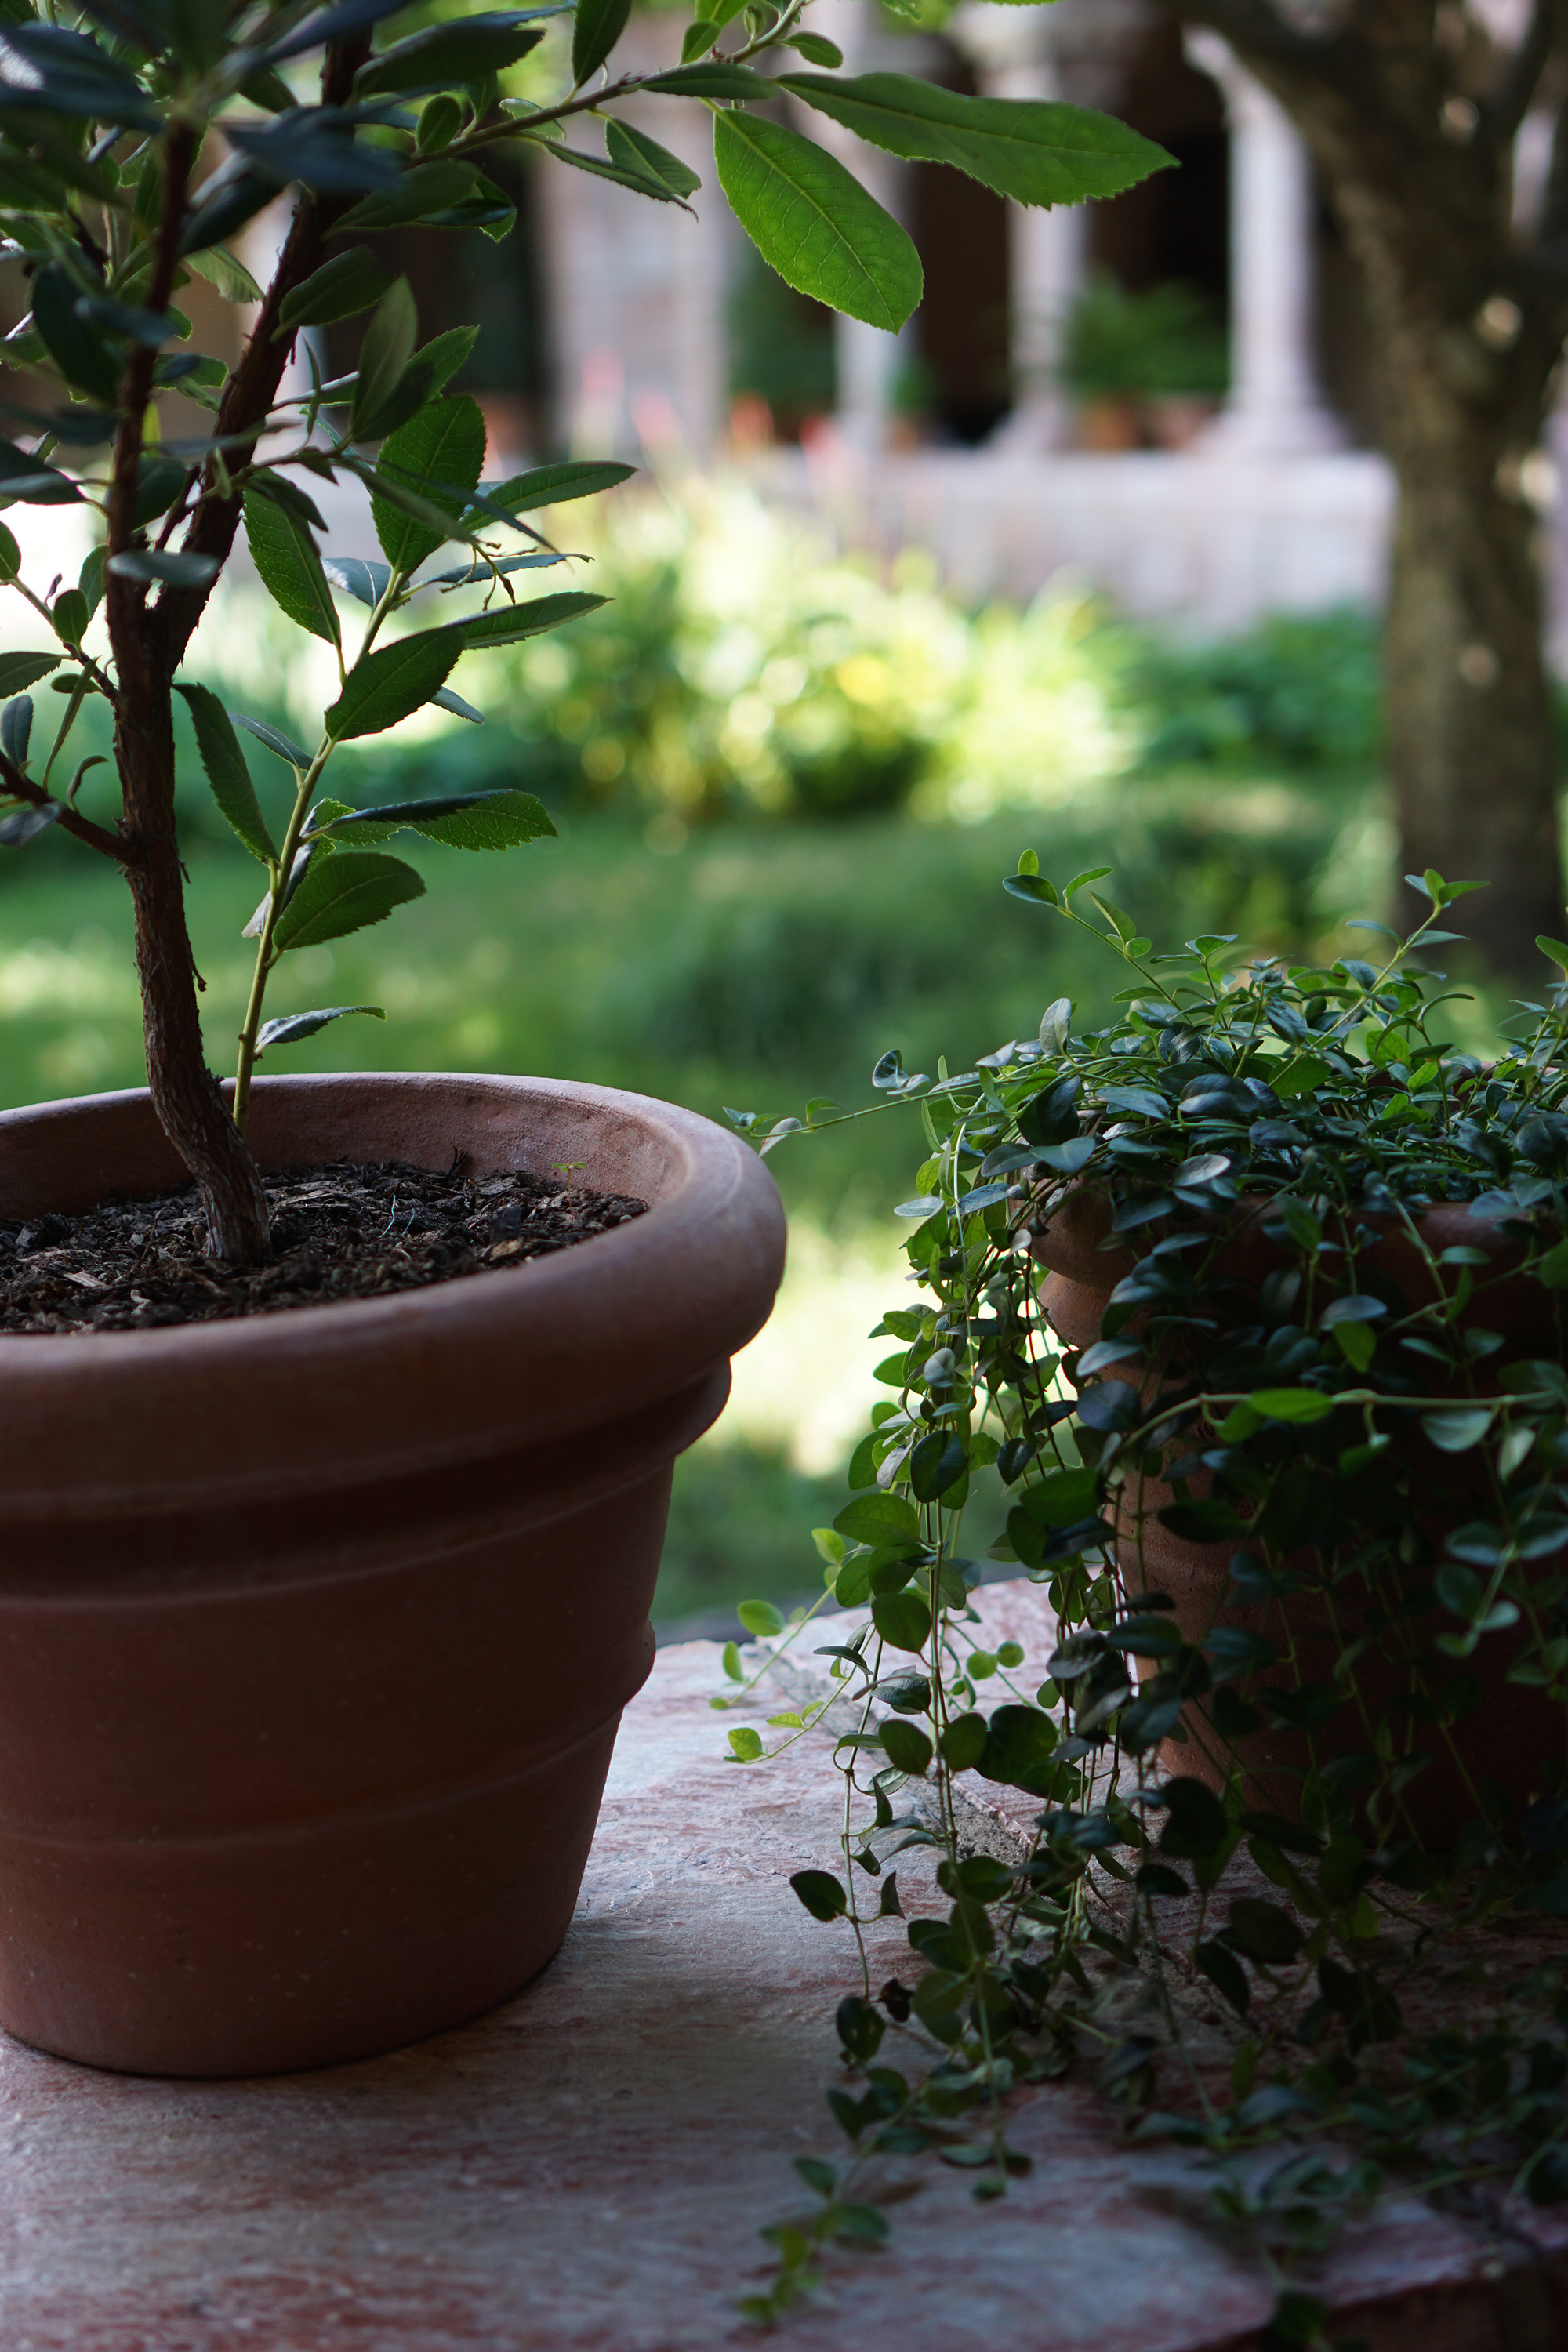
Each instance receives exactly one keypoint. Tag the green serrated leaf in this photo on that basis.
(385, 685)
(344, 893)
(226, 272)
(432, 365)
(596, 27)
(285, 557)
(274, 739)
(508, 624)
(634, 151)
(438, 455)
(224, 763)
(19, 671)
(449, 55)
(422, 191)
(388, 348)
(503, 819)
(552, 486)
(814, 223)
(1036, 151)
(351, 282)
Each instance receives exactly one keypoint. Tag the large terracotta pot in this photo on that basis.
(316, 1627)
(1514, 1732)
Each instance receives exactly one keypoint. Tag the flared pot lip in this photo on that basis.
(457, 1368)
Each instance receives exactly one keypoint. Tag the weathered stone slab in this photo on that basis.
(586, 2170)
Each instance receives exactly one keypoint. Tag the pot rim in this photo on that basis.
(454, 1369)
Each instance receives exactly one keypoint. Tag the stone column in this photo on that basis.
(866, 359)
(1275, 408)
(1011, 51)
(636, 289)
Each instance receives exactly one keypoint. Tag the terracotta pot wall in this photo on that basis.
(315, 1628)
(1510, 1735)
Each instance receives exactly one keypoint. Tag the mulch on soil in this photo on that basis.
(338, 1231)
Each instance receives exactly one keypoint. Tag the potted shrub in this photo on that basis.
(1251, 1303)
(316, 1624)
(1145, 368)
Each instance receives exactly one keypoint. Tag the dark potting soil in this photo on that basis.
(338, 1231)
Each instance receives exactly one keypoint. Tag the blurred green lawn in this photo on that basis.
(752, 965)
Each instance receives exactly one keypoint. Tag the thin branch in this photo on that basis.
(81, 828)
(1506, 109)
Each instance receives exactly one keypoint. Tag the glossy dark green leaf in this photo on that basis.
(626, 169)
(223, 764)
(508, 624)
(823, 1897)
(274, 740)
(419, 383)
(814, 223)
(229, 200)
(596, 27)
(31, 482)
(25, 824)
(316, 146)
(385, 685)
(338, 22)
(907, 1749)
(17, 730)
(502, 819)
(423, 189)
(81, 355)
(1225, 1972)
(285, 557)
(878, 1519)
(159, 481)
(450, 54)
(714, 80)
(552, 486)
(1018, 1748)
(1034, 150)
(163, 567)
(49, 69)
(344, 893)
(624, 141)
(1263, 1932)
(366, 583)
(19, 671)
(902, 1619)
(344, 286)
(388, 348)
(438, 454)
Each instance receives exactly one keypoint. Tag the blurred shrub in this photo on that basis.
(1301, 689)
(1164, 341)
(744, 667)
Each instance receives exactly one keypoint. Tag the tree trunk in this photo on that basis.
(149, 642)
(1466, 324)
(191, 1110)
(1471, 753)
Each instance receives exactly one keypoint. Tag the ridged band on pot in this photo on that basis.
(1513, 1733)
(316, 1626)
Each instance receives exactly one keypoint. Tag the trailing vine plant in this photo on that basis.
(1328, 1377)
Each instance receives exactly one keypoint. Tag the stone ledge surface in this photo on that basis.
(586, 2170)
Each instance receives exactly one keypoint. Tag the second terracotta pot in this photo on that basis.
(1511, 1736)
